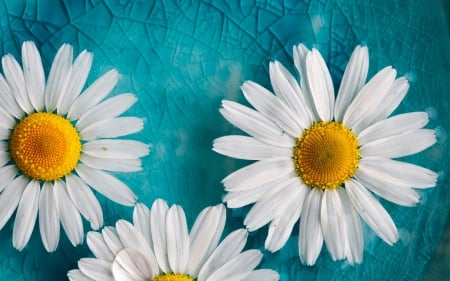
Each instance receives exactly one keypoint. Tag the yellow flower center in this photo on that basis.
(173, 277)
(45, 146)
(326, 155)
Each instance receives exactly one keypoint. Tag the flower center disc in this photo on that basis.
(45, 146)
(173, 277)
(326, 155)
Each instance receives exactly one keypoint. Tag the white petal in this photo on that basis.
(320, 85)
(405, 144)
(57, 78)
(353, 227)
(112, 128)
(361, 112)
(16, 82)
(96, 269)
(115, 165)
(177, 239)
(34, 76)
(107, 185)
(70, 217)
(7, 175)
(158, 215)
(98, 246)
(402, 172)
(271, 107)
(300, 52)
(112, 239)
(94, 94)
(7, 120)
(8, 100)
(77, 275)
(352, 81)
(258, 173)
(110, 108)
(116, 149)
(271, 204)
(131, 265)
(255, 124)
(310, 237)
(287, 90)
(204, 236)
(9, 198)
(397, 92)
(141, 220)
(395, 125)
(371, 211)
(26, 215)
(75, 82)
(4, 158)
(281, 226)
(333, 224)
(84, 199)
(230, 247)
(248, 148)
(245, 262)
(262, 275)
(49, 217)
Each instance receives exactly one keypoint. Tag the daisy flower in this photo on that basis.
(158, 247)
(321, 159)
(57, 142)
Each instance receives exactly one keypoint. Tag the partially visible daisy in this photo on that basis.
(320, 158)
(56, 143)
(159, 247)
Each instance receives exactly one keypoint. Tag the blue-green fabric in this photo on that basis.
(181, 58)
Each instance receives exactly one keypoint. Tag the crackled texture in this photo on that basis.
(183, 57)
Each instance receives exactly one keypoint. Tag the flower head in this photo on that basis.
(57, 141)
(320, 157)
(158, 247)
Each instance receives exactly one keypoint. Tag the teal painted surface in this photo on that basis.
(183, 57)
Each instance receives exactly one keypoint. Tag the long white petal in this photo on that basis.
(109, 108)
(204, 236)
(262, 275)
(248, 148)
(16, 82)
(132, 265)
(230, 247)
(8, 100)
(26, 215)
(352, 81)
(7, 120)
(75, 82)
(405, 144)
(333, 224)
(57, 78)
(320, 85)
(116, 149)
(281, 226)
(70, 216)
(112, 128)
(96, 269)
(34, 76)
(371, 211)
(158, 216)
(84, 199)
(258, 173)
(115, 165)
(396, 94)
(107, 185)
(271, 107)
(94, 94)
(300, 52)
(7, 175)
(77, 275)
(395, 125)
(98, 246)
(255, 124)
(112, 239)
(310, 237)
(9, 198)
(245, 262)
(177, 239)
(49, 217)
(141, 220)
(287, 89)
(360, 113)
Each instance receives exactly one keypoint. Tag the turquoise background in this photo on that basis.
(183, 57)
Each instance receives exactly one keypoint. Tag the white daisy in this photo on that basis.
(158, 247)
(56, 142)
(320, 157)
